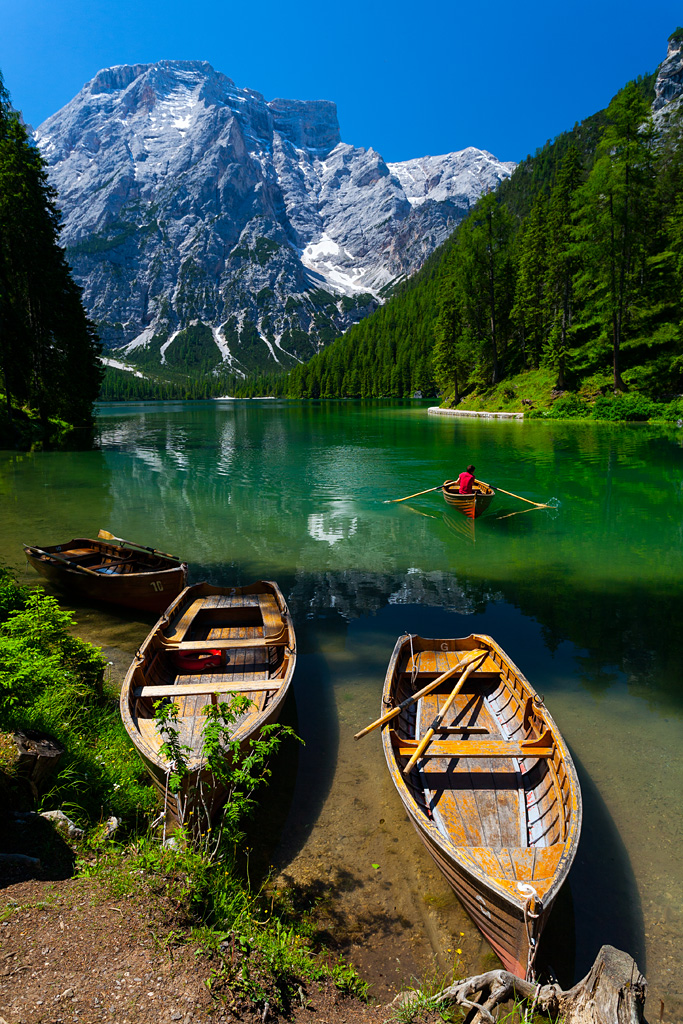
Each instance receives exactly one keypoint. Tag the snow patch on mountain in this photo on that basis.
(116, 364)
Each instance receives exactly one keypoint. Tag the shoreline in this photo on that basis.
(481, 414)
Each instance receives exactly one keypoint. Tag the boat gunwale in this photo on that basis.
(33, 553)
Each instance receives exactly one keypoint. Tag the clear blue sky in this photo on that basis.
(409, 79)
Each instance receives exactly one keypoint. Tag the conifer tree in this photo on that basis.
(531, 307)
(612, 217)
(562, 262)
(485, 276)
(49, 349)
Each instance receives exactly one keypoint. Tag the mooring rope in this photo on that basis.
(529, 917)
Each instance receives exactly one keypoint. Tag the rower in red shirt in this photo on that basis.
(466, 481)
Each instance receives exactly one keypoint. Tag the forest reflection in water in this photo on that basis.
(584, 599)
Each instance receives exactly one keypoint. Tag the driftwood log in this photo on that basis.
(36, 759)
(613, 992)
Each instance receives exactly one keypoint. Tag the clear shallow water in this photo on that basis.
(586, 599)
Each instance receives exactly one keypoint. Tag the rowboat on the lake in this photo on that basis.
(494, 794)
(125, 574)
(470, 504)
(212, 644)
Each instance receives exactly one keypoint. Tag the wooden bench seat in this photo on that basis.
(433, 663)
(254, 685)
(224, 645)
(183, 624)
(272, 616)
(230, 601)
(541, 747)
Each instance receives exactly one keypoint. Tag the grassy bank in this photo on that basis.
(535, 393)
(24, 431)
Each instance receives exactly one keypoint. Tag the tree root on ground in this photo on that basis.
(613, 992)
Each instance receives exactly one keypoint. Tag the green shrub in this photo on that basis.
(12, 596)
(52, 682)
(569, 407)
(627, 407)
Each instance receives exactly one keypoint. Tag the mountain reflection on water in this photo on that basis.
(584, 598)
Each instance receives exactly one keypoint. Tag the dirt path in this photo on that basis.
(70, 951)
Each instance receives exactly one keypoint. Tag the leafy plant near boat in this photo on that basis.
(223, 763)
(264, 944)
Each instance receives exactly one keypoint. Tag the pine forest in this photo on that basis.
(49, 352)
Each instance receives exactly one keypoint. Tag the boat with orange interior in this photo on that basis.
(487, 780)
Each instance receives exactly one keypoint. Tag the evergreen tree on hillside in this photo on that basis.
(485, 282)
(612, 229)
(531, 310)
(48, 348)
(562, 262)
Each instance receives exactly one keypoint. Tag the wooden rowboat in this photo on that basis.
(471, 504)
(211, 644)
(100, 571)
(495, 796)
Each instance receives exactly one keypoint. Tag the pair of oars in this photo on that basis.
(61, 558)
(391, 501)
(478, 658)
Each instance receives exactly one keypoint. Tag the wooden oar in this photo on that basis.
(424, 742)
(106, 535)
(536, 503)
(460, 666)
(391, 501)
(522, 512)
(61, 558)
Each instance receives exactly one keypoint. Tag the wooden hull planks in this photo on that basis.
(99, 571)
(495, 797)
(472, 505)
(211, 643)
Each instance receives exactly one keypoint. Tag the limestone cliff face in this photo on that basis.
(669, 83)
(201, 219)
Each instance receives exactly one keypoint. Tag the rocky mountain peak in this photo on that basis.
(207, 224)
(307, 124)
(669, 82)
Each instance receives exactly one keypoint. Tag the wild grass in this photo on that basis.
(421, 1003)
(261, 944)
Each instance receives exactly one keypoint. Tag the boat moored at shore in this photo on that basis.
(488, 782)
(212, 644)
(98, 570)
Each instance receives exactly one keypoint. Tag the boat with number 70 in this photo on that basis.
(487, 781)
(122, 573)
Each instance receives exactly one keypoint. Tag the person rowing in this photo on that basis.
(466, 481)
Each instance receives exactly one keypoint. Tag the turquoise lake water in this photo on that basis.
(585, 598)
